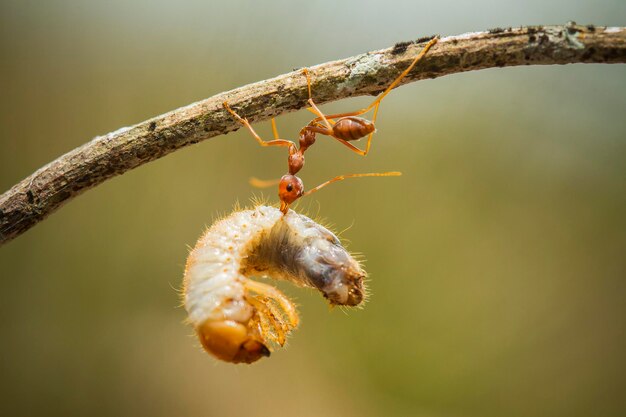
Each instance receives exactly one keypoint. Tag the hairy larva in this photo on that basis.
(236, 318)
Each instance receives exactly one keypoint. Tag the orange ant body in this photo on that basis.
(344, 127)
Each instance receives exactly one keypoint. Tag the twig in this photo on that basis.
(35, 197)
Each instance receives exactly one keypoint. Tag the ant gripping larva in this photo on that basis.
(344, 127)
(238, 319)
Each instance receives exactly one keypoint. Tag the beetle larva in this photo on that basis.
(236, 318)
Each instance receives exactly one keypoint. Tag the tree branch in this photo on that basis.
(40, 194)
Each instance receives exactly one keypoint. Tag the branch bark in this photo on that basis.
(40, 194)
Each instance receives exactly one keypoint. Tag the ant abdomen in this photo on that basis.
(352, 128)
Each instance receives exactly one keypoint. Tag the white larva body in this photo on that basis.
(234, 316)
(213, 267)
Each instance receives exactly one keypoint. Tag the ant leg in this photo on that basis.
(397, 81)
(255, 182)
(369, 138)
(243, 121)
(274, 129)
(322, 118)
(315, 127)
(343, 177)
(314, 110)
(305, 71)
(317, 111)
(322, 124)
(331, 121)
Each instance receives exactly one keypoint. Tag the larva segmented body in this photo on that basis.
(236, 317)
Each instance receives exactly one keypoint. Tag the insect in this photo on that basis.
(238, 319)
(344, 127)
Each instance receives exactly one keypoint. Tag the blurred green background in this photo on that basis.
(497, 262)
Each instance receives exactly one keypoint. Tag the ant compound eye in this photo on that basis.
(289, 187)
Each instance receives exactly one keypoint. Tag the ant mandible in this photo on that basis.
(344, 127)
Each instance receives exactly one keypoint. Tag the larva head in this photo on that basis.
(329, 266)
(290, 188)
(230, 341)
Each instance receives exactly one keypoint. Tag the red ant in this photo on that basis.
(344, 127)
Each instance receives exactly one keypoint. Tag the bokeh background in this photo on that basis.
(497, 262)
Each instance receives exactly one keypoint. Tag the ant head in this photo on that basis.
(290, 188)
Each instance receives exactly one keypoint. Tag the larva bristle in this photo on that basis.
(258, 200)
(342, 231)
(180, 292)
